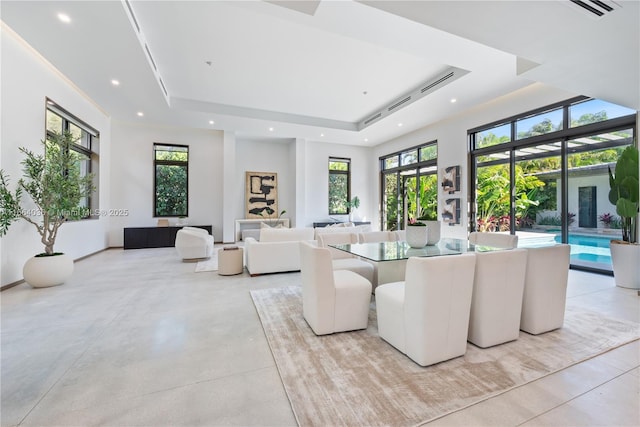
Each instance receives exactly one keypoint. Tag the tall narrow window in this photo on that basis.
(171, 180)
(86, 144)
(409, 186)
(339, 185)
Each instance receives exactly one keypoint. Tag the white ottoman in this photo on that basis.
(230, 261)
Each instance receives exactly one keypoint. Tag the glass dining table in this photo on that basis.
(390, 258)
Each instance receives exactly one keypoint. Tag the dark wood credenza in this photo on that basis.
(154, 237)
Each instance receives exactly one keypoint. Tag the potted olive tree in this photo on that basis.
(625, 253)
(55, 188)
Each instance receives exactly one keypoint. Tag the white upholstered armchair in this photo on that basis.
(332, 300)
(194, 243)
(427, 316)
(342, 260)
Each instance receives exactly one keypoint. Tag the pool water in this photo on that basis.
(590, 249)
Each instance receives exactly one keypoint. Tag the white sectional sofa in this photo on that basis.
(277, 251)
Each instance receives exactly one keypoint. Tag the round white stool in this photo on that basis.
(230, 261)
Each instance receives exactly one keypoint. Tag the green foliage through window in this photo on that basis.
(171, 180)
(339, 186)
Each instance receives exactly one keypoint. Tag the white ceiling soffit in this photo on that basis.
(304, 76)
(576, 49)
(196, 98)
(430, 86)
(305, 6)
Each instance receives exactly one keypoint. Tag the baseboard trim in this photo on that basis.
(18, 282)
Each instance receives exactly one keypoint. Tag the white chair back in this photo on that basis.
(496, 304)
(496, 240)
(327, 239)
(377, 236)
(437, 303)
(318, 288)
(545, 288)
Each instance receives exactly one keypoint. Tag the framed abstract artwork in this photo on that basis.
(451, 211)
(261, 193)
(451, 179)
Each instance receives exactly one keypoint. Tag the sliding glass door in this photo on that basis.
(546, 174)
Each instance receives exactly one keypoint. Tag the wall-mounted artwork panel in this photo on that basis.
(451, 211)
(451, 179)
(261, 193)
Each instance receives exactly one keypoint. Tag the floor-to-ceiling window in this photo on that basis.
(409, 186)
(545, 171)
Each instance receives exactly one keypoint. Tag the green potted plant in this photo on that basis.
(56, 188)
(625, 253)
(273, 222)
(353, 204)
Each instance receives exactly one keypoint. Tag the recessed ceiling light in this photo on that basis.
(140, 114)
(453, 100)
(366, 140)
(322, 134)
(270, 129)
(64, 18)
(399, 125)
(115, 82)
(211, 122)
(364, 92)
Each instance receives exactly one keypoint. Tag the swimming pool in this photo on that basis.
(586, 249)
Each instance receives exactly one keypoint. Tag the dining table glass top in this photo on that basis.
(395, 251)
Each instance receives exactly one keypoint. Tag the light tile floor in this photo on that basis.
(138, 338)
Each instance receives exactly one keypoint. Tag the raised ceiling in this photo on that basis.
(322, 67)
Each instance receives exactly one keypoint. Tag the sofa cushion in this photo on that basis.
(285, 234)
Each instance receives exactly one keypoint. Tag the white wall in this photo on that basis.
(26, 80)
(317, 176)
(451, 135)
(266, 156)
(132, 176)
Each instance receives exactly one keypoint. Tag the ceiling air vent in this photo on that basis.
(133, 16)
(594, 8)
(372, 118)
(399, 103)
(164, 89)
(128, 9)
(437, 82)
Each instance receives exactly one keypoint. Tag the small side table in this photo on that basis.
(230, 261)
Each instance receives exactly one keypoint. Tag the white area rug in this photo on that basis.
(357, 379)
(210, 264)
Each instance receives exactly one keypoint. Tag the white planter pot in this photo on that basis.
(417, 236)
(433, 232)
(625, 258)
(41, 272)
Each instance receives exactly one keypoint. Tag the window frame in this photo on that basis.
(90, 151)
(346, 160)
(563, 136)
(398, 169)
(156, 163)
